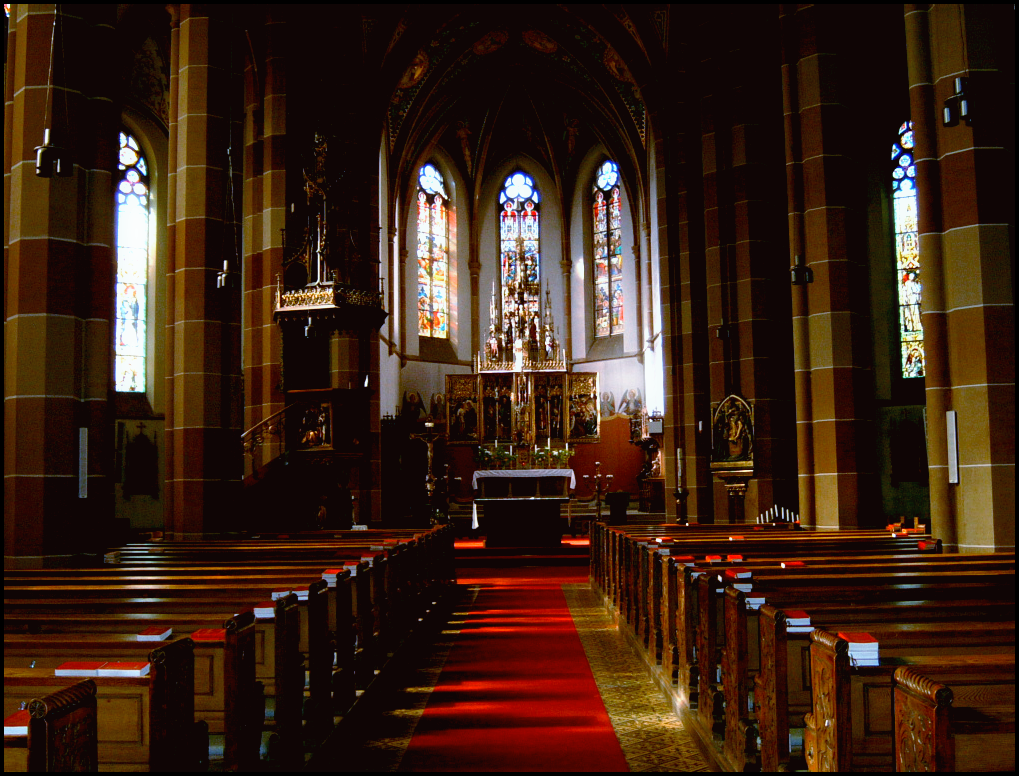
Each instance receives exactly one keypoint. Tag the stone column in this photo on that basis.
(839, 333)
(265, 209)
(58, 286)
(204, 427)
(966, 185)
(800, 319)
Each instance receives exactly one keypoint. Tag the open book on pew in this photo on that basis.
(863, 648)
(265, 610)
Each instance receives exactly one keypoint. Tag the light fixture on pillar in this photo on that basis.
(50, 158)
(310, 329)
(957, 106)
(801, 274)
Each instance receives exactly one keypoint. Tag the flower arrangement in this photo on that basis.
(504, 457)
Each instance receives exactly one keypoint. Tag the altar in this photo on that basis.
(521, 507)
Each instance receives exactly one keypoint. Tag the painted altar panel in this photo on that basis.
(548, 397)
(498, 392)
(462, 420)
(582, 397)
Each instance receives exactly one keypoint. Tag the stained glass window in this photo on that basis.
(520, 256)
(907, 252)
(608, 251)
(132, 266)
(433, 254)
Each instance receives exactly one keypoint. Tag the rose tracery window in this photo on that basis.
(606, 207)
(133, 210)
(433, 254)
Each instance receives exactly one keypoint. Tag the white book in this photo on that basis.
(124, 669)
(79, 668)
(865, 661)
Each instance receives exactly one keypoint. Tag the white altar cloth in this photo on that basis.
(526, 473)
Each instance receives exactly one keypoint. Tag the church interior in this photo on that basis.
(752, 250)
(301, 268)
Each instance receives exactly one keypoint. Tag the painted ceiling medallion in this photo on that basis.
(540, 41)
(416, 71)
(493, 41)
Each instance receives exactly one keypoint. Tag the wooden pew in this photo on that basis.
(144, 723)
(845, 585)
(282, 664)
(958, 719)
(224, 668)
(781, 686)
(637, 578)
(62, 733)
(417, 579)
(850, 726)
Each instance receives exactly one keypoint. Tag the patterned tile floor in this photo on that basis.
(651, 736)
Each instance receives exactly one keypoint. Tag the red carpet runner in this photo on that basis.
(516, 693)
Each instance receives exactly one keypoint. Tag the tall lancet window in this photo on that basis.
(606, 207)
(907, 253)
(433, 254)
(132, 267)
(520, 257)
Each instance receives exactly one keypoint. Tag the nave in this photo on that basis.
(527, 672)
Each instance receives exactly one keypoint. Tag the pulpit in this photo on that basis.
(522, 507)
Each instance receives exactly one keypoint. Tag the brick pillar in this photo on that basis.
(801, 322)
(839, 335)
(674, 196)
(59, 286)
(745, 285)
(265, 214)
(966, 185)
(203, 428)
